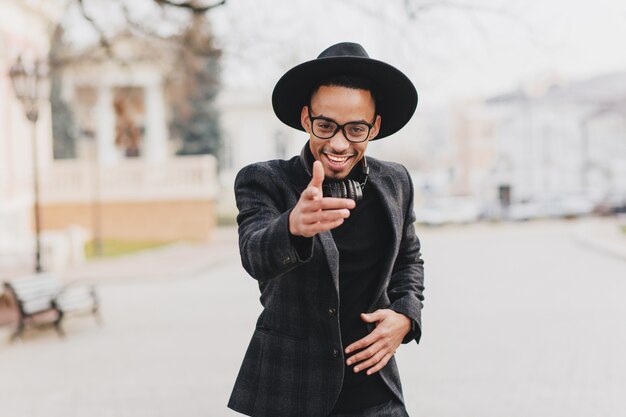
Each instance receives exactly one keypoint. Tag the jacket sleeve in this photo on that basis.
(265, 244)
(406, 286)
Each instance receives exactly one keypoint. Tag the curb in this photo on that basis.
(586, 235)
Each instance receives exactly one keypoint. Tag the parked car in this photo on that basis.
(567, 206)
(443, 210)
(612, 205)
(523, 211)
(563, 206)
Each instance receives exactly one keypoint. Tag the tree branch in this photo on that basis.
(132, 24)
(104, 42)
(190, 5)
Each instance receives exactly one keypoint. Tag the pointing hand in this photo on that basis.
(315, 213)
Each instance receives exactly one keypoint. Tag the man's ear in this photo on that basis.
(376, 128)
(304, 119)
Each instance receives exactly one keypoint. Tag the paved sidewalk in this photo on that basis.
(521, 319)
(175, 260)
(603, 234)
(180, 258)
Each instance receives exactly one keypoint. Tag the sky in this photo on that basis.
(470, 49)
(451, 49)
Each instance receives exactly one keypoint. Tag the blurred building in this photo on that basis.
(548, 149)
(25, 29)
(560, 141)
(251, 133)
(126, 181)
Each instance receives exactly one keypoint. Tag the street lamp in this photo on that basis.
(30, 84)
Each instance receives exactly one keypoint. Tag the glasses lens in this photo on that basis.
(324, 128)
(357, 132)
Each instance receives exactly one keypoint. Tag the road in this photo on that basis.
(520, 320)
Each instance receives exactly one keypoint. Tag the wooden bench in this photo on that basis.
(43, 301)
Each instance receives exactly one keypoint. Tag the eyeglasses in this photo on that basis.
(325, 128)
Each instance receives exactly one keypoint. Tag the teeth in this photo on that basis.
(337, 159)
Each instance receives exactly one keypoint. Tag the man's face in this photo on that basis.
(342, 105)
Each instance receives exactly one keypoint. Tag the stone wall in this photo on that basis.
(139, 220)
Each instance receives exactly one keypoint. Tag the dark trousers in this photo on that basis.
(389, 409)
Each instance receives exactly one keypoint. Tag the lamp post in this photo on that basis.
(30, 83)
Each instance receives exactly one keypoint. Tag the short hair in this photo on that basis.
(356, 82)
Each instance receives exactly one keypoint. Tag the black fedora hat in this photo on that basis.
(396, 97)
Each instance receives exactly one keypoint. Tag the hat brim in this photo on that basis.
(396, 96)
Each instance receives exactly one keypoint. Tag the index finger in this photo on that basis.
(330, 203)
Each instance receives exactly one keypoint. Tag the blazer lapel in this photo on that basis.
(332, 256)
(384, 185)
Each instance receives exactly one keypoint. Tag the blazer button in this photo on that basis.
(335, 353)
(332, 311)
(286, 259)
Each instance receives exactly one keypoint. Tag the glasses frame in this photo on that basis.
(340, 127)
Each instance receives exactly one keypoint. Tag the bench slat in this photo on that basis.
(37, 305)
(35, 286)
(77, 298)
(42, 292)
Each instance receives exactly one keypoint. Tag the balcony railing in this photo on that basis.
(181, 178)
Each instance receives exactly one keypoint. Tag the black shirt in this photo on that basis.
(362, 241)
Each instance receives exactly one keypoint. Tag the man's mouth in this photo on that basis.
(337, 160)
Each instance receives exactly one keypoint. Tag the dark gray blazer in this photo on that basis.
(294, 364)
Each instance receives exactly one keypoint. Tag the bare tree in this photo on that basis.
(192, 84)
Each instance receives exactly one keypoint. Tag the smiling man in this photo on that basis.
(329, 237)
(354, 104)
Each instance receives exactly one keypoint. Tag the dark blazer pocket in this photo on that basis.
(280, 333)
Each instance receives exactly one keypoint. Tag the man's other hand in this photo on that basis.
(381, 344)
(315, 213)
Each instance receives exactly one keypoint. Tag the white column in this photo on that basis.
(107, 152)
(155, 146)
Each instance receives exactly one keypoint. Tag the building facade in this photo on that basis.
(25, 30)
(550, 148)
(126, 181)
(562, 141)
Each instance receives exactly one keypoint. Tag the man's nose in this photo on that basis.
(339, 143)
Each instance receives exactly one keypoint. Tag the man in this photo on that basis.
(341, 281)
